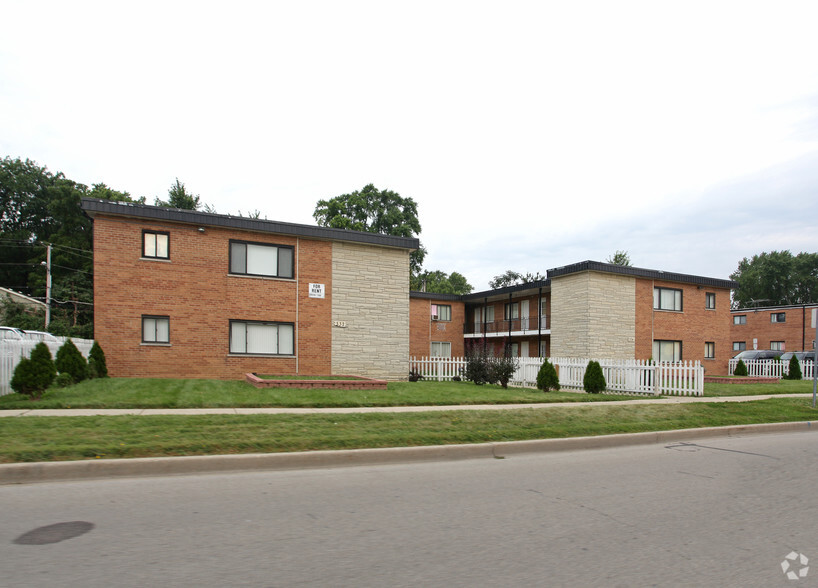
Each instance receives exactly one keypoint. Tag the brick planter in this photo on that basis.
(740, 380)
(350, 383)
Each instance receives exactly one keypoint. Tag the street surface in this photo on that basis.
(717, 512)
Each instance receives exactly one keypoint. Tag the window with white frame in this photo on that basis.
(667, 299)
(709, 350)
(441, 312)
(261, 259)
(262, 338)
(543, 349)
(740, 319)
(512, 311)
(156, 244)
(667, 350)
(155, 329)
(777, 345)
(778, 317)
(739, 345)
(441, 349)
(710, 300)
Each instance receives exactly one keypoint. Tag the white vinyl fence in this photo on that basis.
(624, 376)
(771, 368)
(12, 351)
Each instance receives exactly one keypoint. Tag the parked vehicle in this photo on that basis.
(11, 333)
(40, 336)
(751, 354)
(800, 355)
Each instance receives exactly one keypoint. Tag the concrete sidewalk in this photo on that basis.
(378, 409)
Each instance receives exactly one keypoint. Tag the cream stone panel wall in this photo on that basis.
(593, 315)
(370, 311)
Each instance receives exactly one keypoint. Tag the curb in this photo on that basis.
(28, 473)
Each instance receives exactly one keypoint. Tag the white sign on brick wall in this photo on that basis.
(316, 290)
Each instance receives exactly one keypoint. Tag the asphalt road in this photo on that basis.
(717, 512)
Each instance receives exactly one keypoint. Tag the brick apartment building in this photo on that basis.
(780, 328)
(188, 294)
(588, 309)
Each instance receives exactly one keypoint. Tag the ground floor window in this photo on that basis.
(262, 338)
(709, 350)
(441, 349)
(155, 329)
(777, 345)
(739, 345)
(667, 350)
(543, 349)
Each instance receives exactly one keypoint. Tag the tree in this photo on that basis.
(373, 211)
(547, 378)
(594, 380)
(776, 278)
(34, 375)
(512, 278)
(70, 361)
(440, 283)
(97, 366)
(620, 258)
(179, 197)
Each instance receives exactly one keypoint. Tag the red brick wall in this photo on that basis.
(760, 327)
(196, 292)
(423, 330)
(694, 326)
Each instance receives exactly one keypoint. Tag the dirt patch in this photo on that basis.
(348, 383)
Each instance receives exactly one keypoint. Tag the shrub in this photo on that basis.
(415, 376)
(63, 380)
(96, 362)
(741, 369)
(477, 365)
(795, 369)
(34, 375)
(500, 370)
(594, 380)
(547, 377)
(70, 361)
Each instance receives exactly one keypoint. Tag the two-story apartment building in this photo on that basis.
(593, 309)
(780, 328)
(181, 293)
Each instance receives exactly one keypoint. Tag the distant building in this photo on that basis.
(780, 328)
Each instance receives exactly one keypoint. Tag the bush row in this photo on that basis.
(36, 373)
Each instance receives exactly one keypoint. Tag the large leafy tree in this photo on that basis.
(441, 283)
(776, 278)
(512, 278)
(373, 211)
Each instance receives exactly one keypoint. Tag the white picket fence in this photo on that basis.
(771, 368)
(623, 376)
(12, 351)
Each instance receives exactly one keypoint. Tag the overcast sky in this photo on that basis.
(531, 134)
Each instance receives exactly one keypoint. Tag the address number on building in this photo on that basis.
(341, 324)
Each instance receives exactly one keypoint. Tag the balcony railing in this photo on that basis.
(525, 325)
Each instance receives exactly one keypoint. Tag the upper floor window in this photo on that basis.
(667, 299)
(156, 244)
(512, 311)
(262, 338)
(258, 259)
(155, 329)
(710, 300)
(740, 319)
(778, 317)
(441, 312)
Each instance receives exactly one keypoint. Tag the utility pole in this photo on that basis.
(48, 286)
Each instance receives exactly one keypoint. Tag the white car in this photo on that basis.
(40, 336)
(11, 334)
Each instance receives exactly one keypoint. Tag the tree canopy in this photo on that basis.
(512, 278)
(620, 258)
(776, 278)
(441, 283)
(373, 211)
(179, 197)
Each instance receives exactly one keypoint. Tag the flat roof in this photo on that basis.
(638, 272)
(94, 206)
(807, 305)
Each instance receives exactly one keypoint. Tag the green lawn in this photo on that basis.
(167, 393)
(779, 387)
(26, 439)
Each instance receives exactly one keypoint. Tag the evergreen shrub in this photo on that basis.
(34, 375)
(594, 380)
(97, 367)
(741, 369)
(547, 377)
(70, 361)
(795, 369)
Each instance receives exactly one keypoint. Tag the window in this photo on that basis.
(739, 345)
(777, 345)
(258, 259)
(778, 317)
(156, 244)
(710, 300)
(667, 350)
(441, 312)
(155, 329)
(667, 299)
(709, 350)
(512, 311)
(740, 319)
(489, 314)
(543, 349)
(441, 349)
(261, 338)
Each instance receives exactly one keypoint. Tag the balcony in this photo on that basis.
(519, 327)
